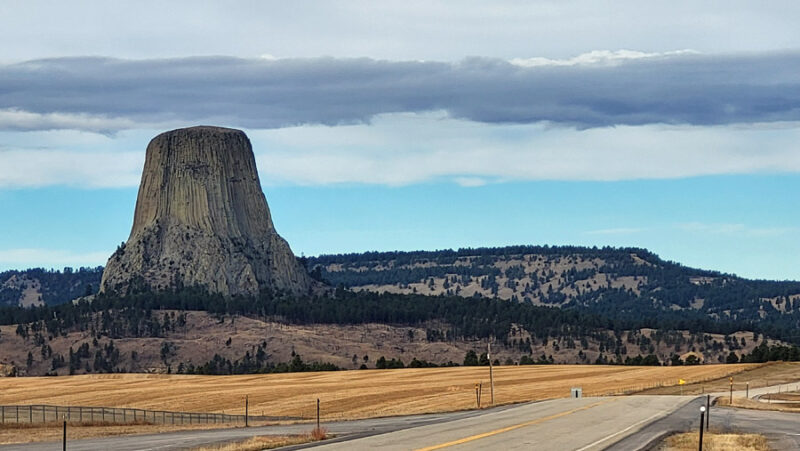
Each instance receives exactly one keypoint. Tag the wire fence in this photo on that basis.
(41, 413)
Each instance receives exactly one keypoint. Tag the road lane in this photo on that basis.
(181, 440)
(781, 428)
(569, 424)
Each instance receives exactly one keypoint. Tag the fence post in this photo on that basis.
(17, 415)
(4, 414)
(30, 414)
(44, 414)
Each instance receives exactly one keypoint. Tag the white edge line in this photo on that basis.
(620, 432)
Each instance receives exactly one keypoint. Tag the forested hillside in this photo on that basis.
(619, 283)
(39, 286)
(537, 304)
(194, 331)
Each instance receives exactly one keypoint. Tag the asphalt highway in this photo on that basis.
(782, 429)
(624, 423)
(182, 440)
(564, 424)
(579, 424)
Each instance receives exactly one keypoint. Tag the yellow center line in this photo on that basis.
(511, 428)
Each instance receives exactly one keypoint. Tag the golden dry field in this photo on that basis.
(348, 394)
(766, 374)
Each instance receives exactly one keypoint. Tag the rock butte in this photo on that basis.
(202, 220)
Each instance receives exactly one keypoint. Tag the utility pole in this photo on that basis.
(246, 406)
(491, 374)
(64, 441)
(317, 414)
(708, 410)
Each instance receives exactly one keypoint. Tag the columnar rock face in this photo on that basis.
(202, 220)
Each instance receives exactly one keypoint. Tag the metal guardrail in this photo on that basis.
(42, 413)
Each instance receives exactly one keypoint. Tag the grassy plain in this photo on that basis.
(348, 394)
(715, 442)
(768, 374)
(778, 405)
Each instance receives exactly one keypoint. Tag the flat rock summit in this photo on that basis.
(202, 220)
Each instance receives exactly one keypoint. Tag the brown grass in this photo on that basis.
(347, 394)
(319, 433)
(26, 433)
(259, 443)
(763, 375)
(688, 441)
(790, 396)
(760, 405)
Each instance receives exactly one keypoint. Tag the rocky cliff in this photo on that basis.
(202, 220)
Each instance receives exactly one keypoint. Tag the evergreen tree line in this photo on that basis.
(56, 286)
(664, 284)
(137, 314)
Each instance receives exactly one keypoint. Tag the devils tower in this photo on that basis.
(202, 219)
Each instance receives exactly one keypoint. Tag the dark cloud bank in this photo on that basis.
(258, 93)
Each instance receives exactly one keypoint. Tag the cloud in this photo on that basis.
(597, 57)
(15, 119)
(104, 94)
(26, 168)
(469, 182)
(407, 148)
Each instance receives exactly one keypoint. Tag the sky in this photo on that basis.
(673, 126)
